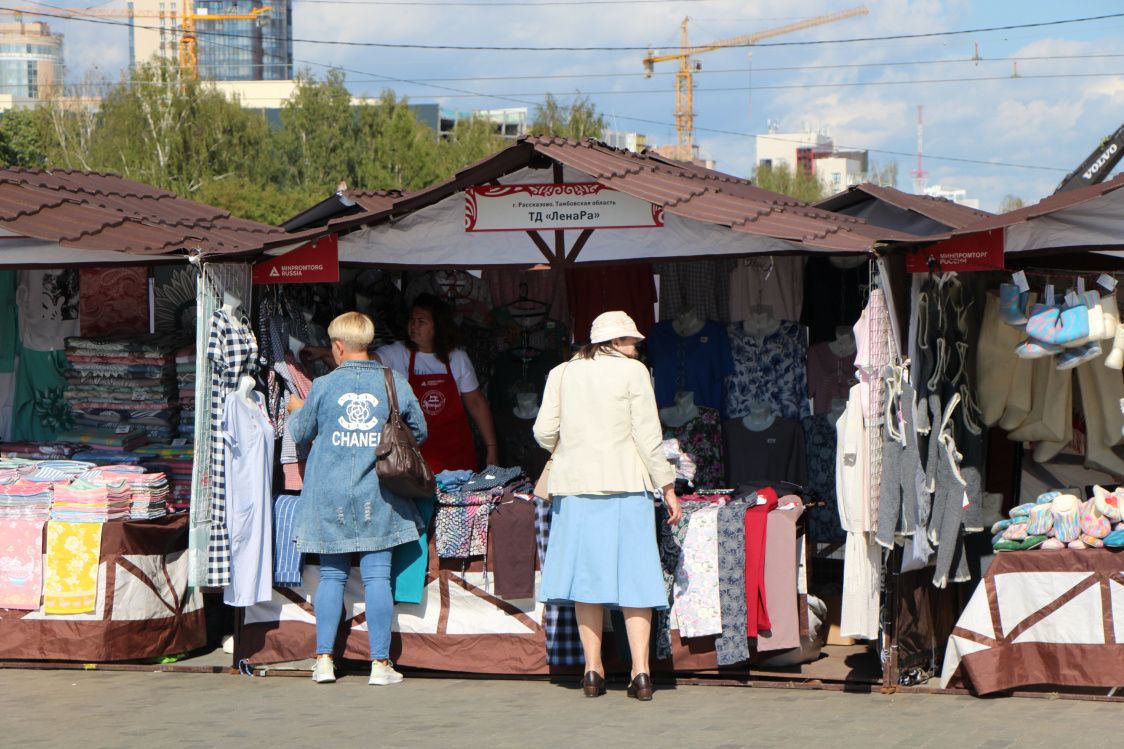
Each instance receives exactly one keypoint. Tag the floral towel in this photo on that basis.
(21, 564)
(71, 581)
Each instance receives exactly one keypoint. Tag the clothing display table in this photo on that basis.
(1042, 618)
(144, 606)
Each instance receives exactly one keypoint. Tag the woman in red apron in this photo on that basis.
(445, 384)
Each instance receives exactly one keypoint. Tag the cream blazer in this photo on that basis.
(599, 419)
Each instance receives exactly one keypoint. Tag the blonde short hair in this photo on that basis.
(354, 329)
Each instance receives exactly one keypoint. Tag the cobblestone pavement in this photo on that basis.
(152, 709)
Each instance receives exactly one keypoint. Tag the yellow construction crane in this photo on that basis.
(684, 77)
(189, 58)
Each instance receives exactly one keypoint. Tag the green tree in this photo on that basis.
(796, 184)
(317, 143)
(162, 129)
(22, 139)
(1011, 203)
(578, 119)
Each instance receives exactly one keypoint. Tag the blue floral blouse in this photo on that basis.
(769, 370)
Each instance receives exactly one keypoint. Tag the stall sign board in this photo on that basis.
(975, 252)
(315, 262)
(578, 205)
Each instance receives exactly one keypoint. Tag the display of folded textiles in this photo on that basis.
(465, 501)
(100, 456)
(185, 389)
(50, 471)
(37, 450)
(1060, 520)
(175, 461)
(107, 439)
(119, 383)
(24, 500)
(83, 501)
(148, 491)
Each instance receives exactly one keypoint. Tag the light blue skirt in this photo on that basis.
(602, 549)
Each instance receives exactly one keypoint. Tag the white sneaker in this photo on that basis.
(383, 674)
(324, 671)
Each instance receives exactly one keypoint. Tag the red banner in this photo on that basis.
(982, 251)
(315, 262)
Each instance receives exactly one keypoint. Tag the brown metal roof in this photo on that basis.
(90, 210)
(941, 210)
(1047, 205)
(682, 189)
(374, 201)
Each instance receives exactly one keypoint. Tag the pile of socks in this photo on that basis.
(1070, 329)
(1062, 521)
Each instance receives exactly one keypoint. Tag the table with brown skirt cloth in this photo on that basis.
(145, 608)
(1042, 617)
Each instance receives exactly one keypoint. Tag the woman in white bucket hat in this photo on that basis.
(599, 419)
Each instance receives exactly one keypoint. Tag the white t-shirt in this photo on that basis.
(397, 357)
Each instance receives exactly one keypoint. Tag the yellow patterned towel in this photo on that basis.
(70, 582)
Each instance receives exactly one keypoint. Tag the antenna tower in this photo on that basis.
(919, 174)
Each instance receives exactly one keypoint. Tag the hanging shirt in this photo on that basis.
(773, 454)
(775, 281)
(700, 284)
(769, 370)
(830, 376)
(699, 363)
(832, 297)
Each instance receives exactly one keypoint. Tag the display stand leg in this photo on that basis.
(890, 607)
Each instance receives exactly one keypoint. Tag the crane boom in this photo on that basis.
(684, 76)
(1094, 169)
(748, 39)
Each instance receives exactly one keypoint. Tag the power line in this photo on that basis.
(849, 84)
(488, 48)
(780, 68)
(500, 3)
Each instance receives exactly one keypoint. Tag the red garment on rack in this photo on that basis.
(756, 524)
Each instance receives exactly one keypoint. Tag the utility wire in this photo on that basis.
(488, 48)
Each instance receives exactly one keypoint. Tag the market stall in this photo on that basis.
(1044, 613)
(725, 252)
(98, 300)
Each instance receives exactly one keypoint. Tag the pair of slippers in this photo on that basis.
(1069, 332)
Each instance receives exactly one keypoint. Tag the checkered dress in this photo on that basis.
(232, 351)
(563, 644)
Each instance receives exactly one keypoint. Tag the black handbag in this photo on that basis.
(400, 466)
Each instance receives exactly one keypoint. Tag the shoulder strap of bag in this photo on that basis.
(391, 394)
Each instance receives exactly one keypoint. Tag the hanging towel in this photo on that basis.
(71, 581)
(514, 548)
(21, 564)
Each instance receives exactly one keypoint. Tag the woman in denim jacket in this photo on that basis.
(344, 510)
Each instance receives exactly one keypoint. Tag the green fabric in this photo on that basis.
(1030, 542)
(39, 407)
(9, 321)
(409, 560)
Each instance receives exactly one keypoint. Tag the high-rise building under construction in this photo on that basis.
(243, 49)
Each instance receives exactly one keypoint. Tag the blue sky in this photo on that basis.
(1051, 123)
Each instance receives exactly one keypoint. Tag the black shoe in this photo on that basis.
(641, 688)
(593, 685)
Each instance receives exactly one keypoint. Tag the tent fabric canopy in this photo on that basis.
(706, 213)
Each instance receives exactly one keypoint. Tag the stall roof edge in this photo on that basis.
(941, 210)
(682, 189)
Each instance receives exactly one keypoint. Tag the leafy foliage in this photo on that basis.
(578, 119)
(796, 184)
(185, 136)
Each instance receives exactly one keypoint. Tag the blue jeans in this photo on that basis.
(374, 568)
